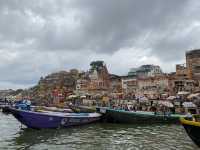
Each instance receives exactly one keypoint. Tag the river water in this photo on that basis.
(94, 136)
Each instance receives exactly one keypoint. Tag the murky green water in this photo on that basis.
(94, 136)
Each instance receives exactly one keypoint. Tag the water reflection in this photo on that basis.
(107, 136)
(29, 137)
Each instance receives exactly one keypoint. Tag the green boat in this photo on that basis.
(140, 117)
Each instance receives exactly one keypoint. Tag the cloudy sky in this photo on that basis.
(40, 37)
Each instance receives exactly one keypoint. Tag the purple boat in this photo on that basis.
(48, 119)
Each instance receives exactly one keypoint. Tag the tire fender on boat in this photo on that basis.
(64, 121)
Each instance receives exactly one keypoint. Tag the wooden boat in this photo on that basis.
(82, 109)
(48, 119)
(140, 117)
(192, 127)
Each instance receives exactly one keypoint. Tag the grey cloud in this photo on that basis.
(119, 24)
(104, 26)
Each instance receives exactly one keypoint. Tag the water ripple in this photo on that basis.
(95, 136)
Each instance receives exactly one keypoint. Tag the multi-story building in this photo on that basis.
(193, 64)
(95, 81)
(180, 82)
(82, 86)
(129, 86)
(153, 87)
(187, 77)
(115, 86)
(181, 70)
(145, 71)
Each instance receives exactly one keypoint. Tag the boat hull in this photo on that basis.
(40, 120)
(120, 116)
(6, 109)
(193, 130)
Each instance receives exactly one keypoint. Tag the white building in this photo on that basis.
(145, 71)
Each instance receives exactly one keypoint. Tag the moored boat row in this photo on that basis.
(32, 117)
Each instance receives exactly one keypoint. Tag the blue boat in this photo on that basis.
(48, 119)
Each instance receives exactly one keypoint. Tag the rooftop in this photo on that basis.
(193, 53)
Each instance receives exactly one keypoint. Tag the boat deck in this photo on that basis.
(149, 113)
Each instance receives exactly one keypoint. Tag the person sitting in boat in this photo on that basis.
(155, 111)
(163, 110)
(189, 116)
(140, 108)
(146, 108)
(126, 108)
(28, 103)
(113, 106)
(117, 107)
(173, 110)
(168, 113)
(134, 108)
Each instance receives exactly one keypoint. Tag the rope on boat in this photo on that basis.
(20, 125)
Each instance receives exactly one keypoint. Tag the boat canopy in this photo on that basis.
(196, 95)
(183, 93)
(166, 103)
(143, 100)
(72, 96)
(171, 98)
(83, 96)
(189, 105)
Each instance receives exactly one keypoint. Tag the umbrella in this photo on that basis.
(189, 105)
(83, 96)
(183, 93)
(130, 103)
(166, 103)
(97, 95)
(143, 100)
(171, 98)
(197, 95)
(72, 96)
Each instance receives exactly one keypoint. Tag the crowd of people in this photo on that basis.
(157, 109)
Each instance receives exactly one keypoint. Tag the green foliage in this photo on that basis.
(95, 65)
